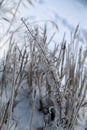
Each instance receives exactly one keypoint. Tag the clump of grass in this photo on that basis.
(58, 76)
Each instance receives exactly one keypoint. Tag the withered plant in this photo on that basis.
(56, 78)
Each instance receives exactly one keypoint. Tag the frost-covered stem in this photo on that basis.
(35, 40)
(74, 118)
(13, 91)
(4, 116)
(33, 109)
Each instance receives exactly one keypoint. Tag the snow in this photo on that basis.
(67, 14)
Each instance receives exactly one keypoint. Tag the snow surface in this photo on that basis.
(67, 14)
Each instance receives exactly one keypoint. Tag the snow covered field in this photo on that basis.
(67, 15)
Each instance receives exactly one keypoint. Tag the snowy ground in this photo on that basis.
(67, 14)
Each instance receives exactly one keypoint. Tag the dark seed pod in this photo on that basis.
(52, 113)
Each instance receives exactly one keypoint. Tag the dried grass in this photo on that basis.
(58, 75)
